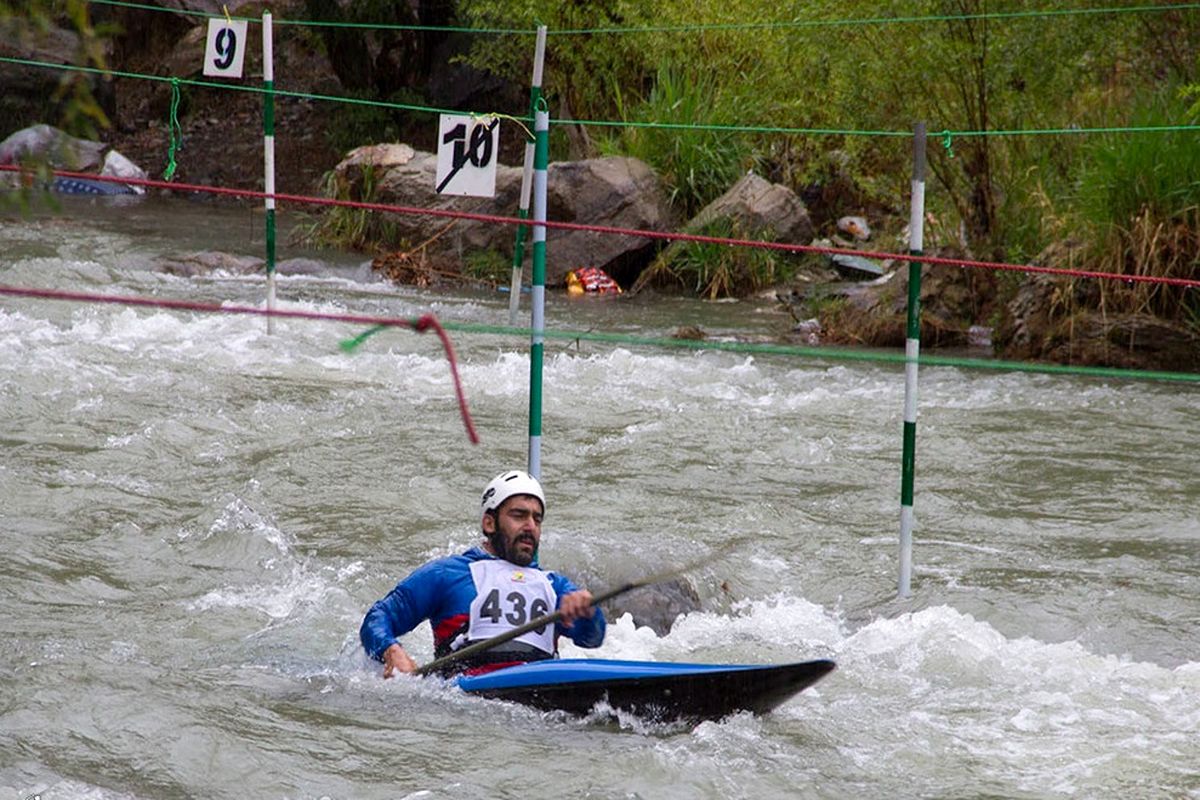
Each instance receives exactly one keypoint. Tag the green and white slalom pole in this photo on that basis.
(541, 155)
(269, 158)
(912, 352)
(535, 94)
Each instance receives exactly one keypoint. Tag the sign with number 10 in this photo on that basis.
(226, 48)
(467, 148)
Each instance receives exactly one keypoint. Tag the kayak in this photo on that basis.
(652, 690)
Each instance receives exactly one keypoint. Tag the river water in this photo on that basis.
(194, 516)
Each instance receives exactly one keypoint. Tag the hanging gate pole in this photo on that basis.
(535, 94)
(541, 155)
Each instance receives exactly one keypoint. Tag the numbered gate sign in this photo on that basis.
(226, 48)
(467, 149)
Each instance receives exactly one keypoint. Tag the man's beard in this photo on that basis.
(513, 554)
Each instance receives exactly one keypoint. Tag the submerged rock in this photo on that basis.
(656, 606)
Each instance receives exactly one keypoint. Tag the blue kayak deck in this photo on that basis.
(651, 689)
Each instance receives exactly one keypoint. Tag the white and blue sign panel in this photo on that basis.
(226, 48)
(467, 150)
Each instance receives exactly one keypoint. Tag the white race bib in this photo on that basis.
(508, 596)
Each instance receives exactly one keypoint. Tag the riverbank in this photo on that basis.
(218, 143)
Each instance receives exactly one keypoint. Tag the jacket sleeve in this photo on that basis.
(406, 606)
(585, 632)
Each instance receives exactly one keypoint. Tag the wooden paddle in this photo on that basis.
(553, 617)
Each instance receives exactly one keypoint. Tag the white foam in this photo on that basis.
(277, 601)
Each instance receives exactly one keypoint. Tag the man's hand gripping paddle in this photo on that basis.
(549, 619)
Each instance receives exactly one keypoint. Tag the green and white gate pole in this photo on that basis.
(537, 295)
(269, 159)
(912, 352)
(535, 94)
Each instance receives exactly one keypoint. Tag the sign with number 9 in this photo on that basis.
(226, 48)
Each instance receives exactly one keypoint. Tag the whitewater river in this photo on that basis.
(195, 515)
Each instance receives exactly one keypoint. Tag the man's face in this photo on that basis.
(518, 523)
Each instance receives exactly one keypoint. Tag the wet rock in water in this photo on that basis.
(979, 336)
(807, 331)
(191, 265)
(656, 606)
(689, 332)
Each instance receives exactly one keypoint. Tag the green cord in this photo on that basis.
(833, 354)
(763, 129)
(784, 25)
(176, 131)
(349, 345)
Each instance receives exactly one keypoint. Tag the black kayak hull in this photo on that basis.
(650, 690)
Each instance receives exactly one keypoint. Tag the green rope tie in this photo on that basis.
(349, 345)
(948, 143)
(176, 131)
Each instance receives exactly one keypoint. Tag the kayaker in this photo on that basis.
(486, 591)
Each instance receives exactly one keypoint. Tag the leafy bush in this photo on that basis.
(696, 165)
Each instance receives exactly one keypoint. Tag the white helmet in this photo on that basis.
(510, 483)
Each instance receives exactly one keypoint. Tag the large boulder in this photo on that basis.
(59, 149)
(614, 191)
(403, 176)
(1050, 318)
(657, 606)
(758, 207)
(752, 209)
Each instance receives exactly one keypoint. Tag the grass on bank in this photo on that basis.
(1138, 199)
(352, 228)
(712, 270)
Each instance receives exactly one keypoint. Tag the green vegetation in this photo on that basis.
(857, 75)
(352, 228)
(717, 270)
(1139, 196)
(358, 123)
(850, 78)
(696, 166)
(488, 266)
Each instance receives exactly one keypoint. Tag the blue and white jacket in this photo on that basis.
(474, 596)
